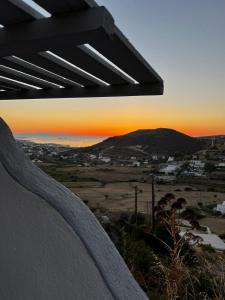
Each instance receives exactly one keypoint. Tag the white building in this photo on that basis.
(196, 168)
(136, 163)
(133, 158)
(221, 208)
(106, 159)
(221, 165)
(198, 164)
(207, 239)
(213, 240)
(170, 158)
(154, 157)
(170, 169)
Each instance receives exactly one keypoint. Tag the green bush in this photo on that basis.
(208, 248)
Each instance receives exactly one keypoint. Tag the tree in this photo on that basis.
(168, 218)
(200, 204)
(209, 168)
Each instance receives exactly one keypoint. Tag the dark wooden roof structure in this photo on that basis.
(68, 49)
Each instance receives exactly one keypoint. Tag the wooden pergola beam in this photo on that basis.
(69, 28)
(87, 92)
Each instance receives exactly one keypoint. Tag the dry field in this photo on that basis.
(217, 225)
(107, 174)
(113, 189)
(120, 195)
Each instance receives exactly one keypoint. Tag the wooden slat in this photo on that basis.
(17, 84)
(27, 77)
(30, 71)
(120, 51)
(9, 87)
(89, 64)
(11, 14)
(45, 63)
(19, 78)
(64, 29)
(61, 6)
(87, 92)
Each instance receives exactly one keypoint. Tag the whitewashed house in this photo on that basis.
(170, 159)
(221, 165)
(221, 208)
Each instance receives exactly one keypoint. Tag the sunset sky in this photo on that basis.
(184, 41)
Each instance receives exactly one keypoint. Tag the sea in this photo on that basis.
(61, 139)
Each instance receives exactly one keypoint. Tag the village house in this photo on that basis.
(221, 208)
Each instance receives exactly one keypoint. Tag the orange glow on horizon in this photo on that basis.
(69, 129)
(112, 117)
(107, 132)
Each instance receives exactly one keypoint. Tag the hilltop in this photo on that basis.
(143, 142)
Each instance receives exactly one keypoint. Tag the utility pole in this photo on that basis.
(153, 203)
(135, 203)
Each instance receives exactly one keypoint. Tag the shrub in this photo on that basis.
(208, 248)
(188, 189)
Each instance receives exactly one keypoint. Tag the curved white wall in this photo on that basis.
(52, 246)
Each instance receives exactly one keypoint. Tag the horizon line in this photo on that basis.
(19, 133)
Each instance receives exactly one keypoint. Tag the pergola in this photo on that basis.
(68, 49)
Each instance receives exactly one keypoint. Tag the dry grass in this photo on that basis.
(113, 189)
(217, 225)
(121, 194)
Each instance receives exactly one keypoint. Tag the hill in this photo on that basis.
(161, 141)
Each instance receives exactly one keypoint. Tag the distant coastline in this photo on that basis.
(61, 139)
(75, 140)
